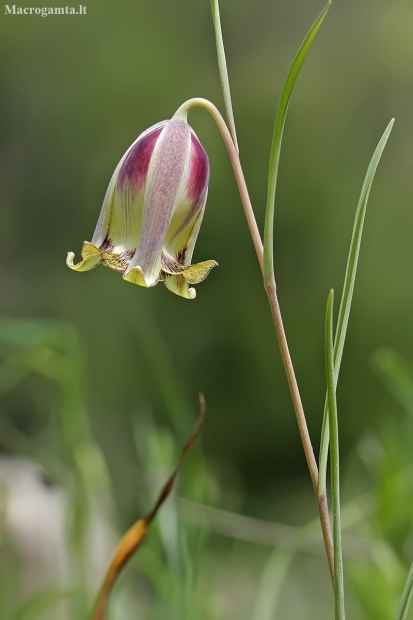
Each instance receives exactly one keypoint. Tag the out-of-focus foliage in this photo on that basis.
(58, 531)
(75, 92)
(59, 526)
(385, 466)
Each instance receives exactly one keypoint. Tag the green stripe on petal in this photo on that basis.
(183, 231)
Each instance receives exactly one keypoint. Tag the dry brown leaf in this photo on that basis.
(135, 535)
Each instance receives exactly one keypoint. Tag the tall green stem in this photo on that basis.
(335, 466)
(223, 71)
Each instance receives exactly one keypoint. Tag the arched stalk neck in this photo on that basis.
(182, 112)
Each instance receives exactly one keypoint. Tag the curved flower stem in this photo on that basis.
(292, 381)
(271, 290)
(182, 113)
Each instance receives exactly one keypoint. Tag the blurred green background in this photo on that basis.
(75, 92)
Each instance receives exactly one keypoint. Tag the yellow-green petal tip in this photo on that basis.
(90, 258)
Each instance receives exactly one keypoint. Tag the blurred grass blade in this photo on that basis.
(276, 144)
(271, 584)
(135, 535)
(223, 71)
(406, 597)
(334, 455)
(396, 374)
(347, 295)
(170, 383)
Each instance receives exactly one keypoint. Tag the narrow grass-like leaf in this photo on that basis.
(276, 145)
(160, 362)
(406, 597)
(135, 535)
(271, 584)
(335, 467)
(223, 71)
(347, 295)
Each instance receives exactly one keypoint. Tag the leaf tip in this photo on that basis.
(389, 128)
(326, 8)
(202, 404)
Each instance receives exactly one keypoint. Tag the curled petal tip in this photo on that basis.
(91, 257)
(69, 259)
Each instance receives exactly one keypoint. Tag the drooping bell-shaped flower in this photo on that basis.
(152, 211)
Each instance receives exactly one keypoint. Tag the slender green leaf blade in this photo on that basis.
(277, 140)
(347, 296)
(348, 289)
